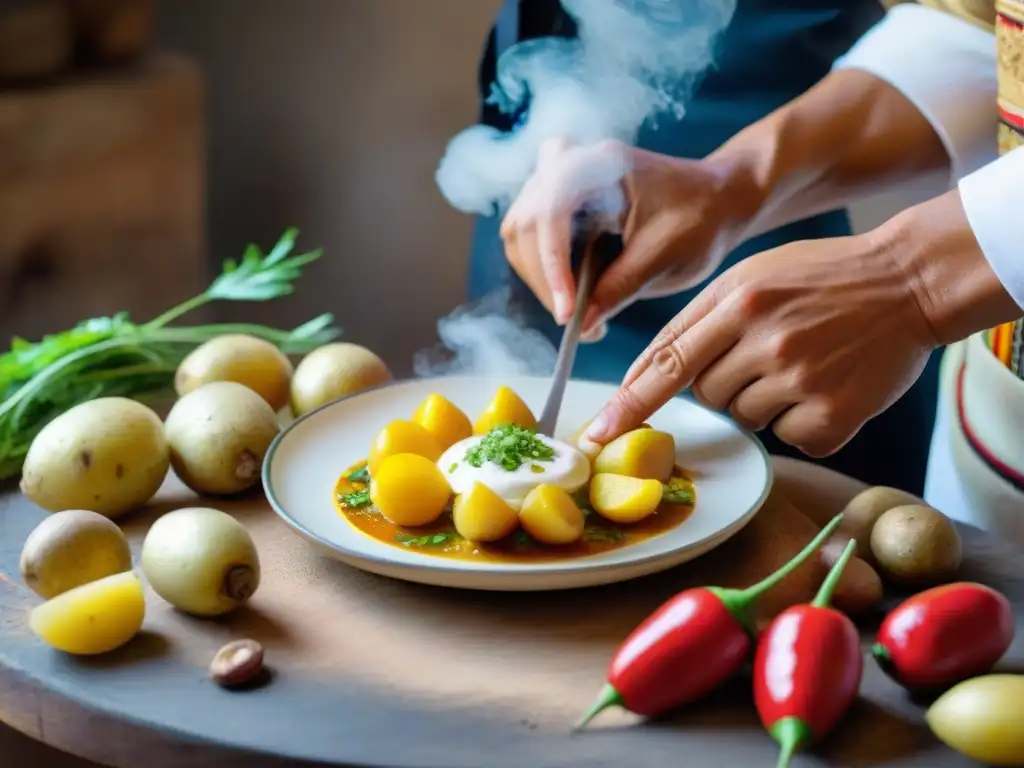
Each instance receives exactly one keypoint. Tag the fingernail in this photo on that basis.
(561, 308)
(597, 429)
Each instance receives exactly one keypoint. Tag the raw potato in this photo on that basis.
(94, 618)
(401, 436)
(219, 435)
(246, 360)
(200, 560)
(109, 455)
(441, 418)
(864, 509)
(409, 490)
(916, 545)
(623, 499)
(644, 453)
(333, 371)
(550, 515)
(72, 548)
(983, 719)
(482, 515)
(506, 407)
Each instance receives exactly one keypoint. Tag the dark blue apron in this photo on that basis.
(772, 52)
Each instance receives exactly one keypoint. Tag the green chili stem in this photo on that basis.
(828, 587)
(752, 593)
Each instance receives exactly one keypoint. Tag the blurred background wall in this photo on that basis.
(331, 115)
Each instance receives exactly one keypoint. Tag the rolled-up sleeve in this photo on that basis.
(991, 198)
(946, 67)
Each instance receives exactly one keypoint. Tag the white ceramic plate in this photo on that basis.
(731, 471)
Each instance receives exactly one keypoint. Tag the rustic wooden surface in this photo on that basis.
(101, 195)
(369, 671)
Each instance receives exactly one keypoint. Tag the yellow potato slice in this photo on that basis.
(623, 499)
(94, 618)
(441, 418)
(550, 515)
(482, 515)
(505, 408)
(402, 436)
(409, 490)
(645, 453)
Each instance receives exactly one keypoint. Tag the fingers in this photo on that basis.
(725, 379)
(816, 426)
(693, 313)
(538, 228)
(671, 369)
(760, 404)
(553, 246)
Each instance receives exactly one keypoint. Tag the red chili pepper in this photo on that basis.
(689, 646)
(944, 635)
(808, 668)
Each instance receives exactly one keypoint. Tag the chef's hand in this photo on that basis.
(680, 218)
(814, 338)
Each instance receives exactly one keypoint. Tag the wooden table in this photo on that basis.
(373, 672)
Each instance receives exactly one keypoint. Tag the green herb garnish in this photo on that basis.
(430, 540)
(536, 469)
(115, 357)
(677, 493)
(453, 467)
(361, 475)
(509, 446)
(521, 539)
(355, 499)
(603, 535)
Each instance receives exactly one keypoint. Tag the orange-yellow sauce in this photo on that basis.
(441, 539)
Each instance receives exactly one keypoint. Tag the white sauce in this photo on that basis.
(569, 470)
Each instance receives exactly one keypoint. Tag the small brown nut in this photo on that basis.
(237, 663)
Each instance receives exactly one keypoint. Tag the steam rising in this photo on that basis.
(632, 61)
(487, 339)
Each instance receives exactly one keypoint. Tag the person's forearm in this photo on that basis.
(851, 135)
(915, 95)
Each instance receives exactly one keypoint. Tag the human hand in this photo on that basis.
(679, 218)
(813, 337)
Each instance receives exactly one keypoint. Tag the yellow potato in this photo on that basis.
(247, 360)
(505, 408)
(645, 453)
(482, 515)
(333, 371)
(983, 719)
(409, 490)
(441, 418)
(550, 515)
(402, 436)
(94, 618)
(624, 499)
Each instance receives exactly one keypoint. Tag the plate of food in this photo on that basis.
(445, 481)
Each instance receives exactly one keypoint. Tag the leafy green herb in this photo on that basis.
(521, 539)
(113, 356)
(355, 499)
(536, 469)
(583, 502)
(430, 540)
(675, 492)
(361, 475)
(599, 534)
(453, 467)
(509, 446)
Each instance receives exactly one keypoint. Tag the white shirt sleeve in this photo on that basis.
(946, 67)
(991, 198)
